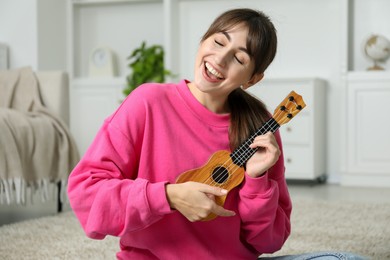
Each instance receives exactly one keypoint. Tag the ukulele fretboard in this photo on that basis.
(242, 154)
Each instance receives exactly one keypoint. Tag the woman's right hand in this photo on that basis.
(195, 200)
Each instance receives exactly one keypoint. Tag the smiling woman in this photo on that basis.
(125, 185)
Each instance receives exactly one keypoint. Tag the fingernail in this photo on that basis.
(224, 191)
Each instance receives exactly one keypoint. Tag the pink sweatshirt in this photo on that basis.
(158, 132)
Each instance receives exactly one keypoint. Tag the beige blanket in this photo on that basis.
(36, 147)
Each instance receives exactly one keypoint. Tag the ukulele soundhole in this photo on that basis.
(220, 174)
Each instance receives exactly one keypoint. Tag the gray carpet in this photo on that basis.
(361, 228)
(317, 226)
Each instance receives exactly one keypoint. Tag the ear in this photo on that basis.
(255, 78)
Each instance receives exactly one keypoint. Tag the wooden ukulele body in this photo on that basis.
(219, 171)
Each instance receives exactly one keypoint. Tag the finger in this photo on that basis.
(266, 141)
(212, 190)
(220, 211)
(210, 196)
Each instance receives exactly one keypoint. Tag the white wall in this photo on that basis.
(51, 28)
(35, 32)
(18, 29)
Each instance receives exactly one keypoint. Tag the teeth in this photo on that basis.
(213, 71)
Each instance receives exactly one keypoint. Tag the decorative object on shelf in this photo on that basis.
(147, 65)
(377, 49)
(3, 56)
(101, 62)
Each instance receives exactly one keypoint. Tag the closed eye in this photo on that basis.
(235, 57)
(218, 43)
(239, 61)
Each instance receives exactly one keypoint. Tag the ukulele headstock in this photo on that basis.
(288, 108)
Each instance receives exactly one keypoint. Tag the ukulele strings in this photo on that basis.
(243, 156)
(246, 155)
(273, 127)
(249, 152)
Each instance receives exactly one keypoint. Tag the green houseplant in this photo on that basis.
(147, 65)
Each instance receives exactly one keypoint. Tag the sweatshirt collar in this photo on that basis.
(209, 117)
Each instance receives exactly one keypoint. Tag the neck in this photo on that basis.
(214, 103)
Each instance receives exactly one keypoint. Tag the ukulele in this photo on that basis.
(225, 169)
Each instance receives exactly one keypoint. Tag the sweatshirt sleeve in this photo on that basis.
(265, 208)
(103, 189)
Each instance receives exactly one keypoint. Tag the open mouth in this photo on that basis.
(212, 73)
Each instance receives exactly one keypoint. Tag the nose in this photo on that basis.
(221, 57)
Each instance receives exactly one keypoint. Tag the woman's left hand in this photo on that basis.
(266, 156)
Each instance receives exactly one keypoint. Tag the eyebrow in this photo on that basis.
(240, 48)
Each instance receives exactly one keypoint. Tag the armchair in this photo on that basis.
(36, 147)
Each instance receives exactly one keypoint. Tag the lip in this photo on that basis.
(206, 73)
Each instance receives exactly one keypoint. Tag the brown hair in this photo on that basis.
(247, 112)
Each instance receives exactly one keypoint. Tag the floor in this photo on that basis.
(337, 192)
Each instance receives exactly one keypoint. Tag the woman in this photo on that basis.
(125, 183)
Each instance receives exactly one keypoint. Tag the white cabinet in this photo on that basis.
(92, 101)
(368, 127)
(304, 136)
(120, 25)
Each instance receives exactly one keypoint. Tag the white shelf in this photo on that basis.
(114, 24)
(98, 81)
(368, 75)
(110, 2)
(366, 18)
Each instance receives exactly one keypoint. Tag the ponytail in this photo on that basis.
(247, 114)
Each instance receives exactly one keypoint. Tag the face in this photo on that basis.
(223, 63)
